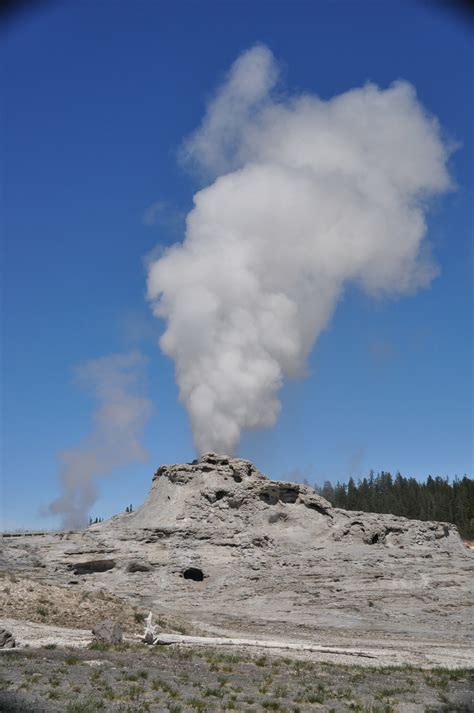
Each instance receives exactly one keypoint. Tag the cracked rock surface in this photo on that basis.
(229, 550)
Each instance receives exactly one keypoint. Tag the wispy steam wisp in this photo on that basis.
(308, 195)
(115, 441)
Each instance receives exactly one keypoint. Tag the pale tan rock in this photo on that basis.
(225, 548)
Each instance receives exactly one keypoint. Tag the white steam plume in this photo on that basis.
(119, 422)
(309, 195)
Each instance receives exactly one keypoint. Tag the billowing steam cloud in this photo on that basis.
(119, 421)
(309, 195)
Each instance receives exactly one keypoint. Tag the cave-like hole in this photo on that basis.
(289, 495)
(269, 498)
(92, 566)
(135, 566)
(194, 573)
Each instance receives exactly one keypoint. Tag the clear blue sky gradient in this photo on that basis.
(98, 97)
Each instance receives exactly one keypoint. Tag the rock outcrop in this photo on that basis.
(7, 640)
(225, 547)
(108, 632)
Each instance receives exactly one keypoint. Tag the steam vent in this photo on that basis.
(219, 544)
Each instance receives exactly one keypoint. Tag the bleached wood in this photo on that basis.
(167, 639)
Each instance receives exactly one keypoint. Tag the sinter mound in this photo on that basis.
(219, 544)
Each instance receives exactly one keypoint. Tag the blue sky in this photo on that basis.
(98, 99)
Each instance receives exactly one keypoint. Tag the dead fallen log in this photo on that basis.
(166, 639)
(154, 638)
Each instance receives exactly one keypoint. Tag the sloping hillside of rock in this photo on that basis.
(221, 545)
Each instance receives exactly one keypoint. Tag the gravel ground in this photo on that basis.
(133, 677)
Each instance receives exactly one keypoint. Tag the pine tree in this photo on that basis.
(436, 499)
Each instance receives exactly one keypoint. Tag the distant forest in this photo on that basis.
(435, 499)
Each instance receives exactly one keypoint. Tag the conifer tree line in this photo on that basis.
(435, 499)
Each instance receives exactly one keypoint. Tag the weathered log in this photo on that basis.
(153, 637)
(167, 639)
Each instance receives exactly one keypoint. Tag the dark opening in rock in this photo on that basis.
(220, 494)
(289, 495)
(135, 566)
(194, 573)
(269, 498)
(92, 566)
(373, 539)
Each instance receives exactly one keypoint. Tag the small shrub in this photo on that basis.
(135, 692)
(315, 697)
(216, 692)
(99, 646)
(108, 693)
(71, 660)
(281, 692)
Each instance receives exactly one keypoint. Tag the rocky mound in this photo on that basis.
(218, 542)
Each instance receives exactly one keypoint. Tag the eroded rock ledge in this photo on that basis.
(236, 482)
